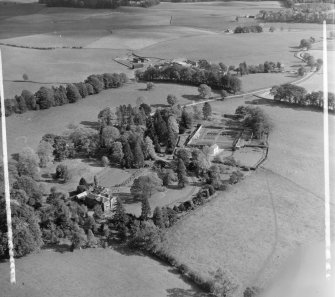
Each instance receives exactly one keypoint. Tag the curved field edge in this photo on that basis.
(92, 272)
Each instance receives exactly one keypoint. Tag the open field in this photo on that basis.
(92, 272)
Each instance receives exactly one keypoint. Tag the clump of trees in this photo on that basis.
(255, 119)
(45, 97)
(297, 95)
(211, 75)
(248, 29)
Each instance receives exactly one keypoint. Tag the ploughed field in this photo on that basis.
(92, 272)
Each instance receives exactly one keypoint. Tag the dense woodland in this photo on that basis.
(98, 3)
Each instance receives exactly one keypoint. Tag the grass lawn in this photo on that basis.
(170, 197)
(87, 169)
(92, 272)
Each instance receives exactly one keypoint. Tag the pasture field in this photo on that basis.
(54, 67)
(92, 272)
(249, 231)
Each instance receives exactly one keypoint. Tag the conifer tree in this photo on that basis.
(181, 173)
(91, 240)
(151, 132)
(171, 142)
(160, 127)
(119, 213)
(117, 152)
(149, 147)
(186, 119)
(128, 155)
(207, 110)
(146, 210)
(158, 218)
(138, 155)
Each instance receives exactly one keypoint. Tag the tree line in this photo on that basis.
(98, 3)
(205, 73)
(45, 97)
(297, 95)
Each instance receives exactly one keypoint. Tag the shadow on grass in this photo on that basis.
(192, 97)
(128, 198)
(15, 156)
(92, 162)
(127, 251)
(89, 124)
(178, 292)
(159, 105)
(59, 248)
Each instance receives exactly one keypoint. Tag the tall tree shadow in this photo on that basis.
(90, 124)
